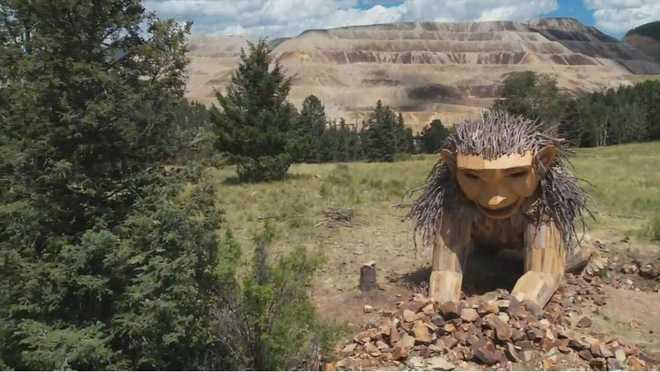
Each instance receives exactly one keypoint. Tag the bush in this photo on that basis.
(263, 168)
(272, 323)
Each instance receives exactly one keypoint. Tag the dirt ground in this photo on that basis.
(631, 311)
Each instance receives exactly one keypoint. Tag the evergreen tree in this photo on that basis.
(379, 137)
(313, 123)
(254, 123)
(433, 136)
(403, 137)
(102, 264)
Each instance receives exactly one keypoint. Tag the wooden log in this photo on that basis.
(368, 276)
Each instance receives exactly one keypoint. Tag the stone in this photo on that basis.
(368, 309)
(371, 348)
(486, 353)
(636, 364)
(407, 341)
(449, 341)
(469, 315)
(489, 307)
(440, 364)
(382, 345)
(648, 271)
(599, 349)
(449, 310)
(408, 315)
(504, 317)
(584, 322)
(620, 355)
(429, 309)
(586, 355)
(614, 365)
(329, 367)
(394, 335)
(438, 320)
(528, 355)
(512, 353)
(544, 324)
(415, 362)
(348, 349)
(449, 327)
(399, 352)
(598, 364)
(421, 332)
(503, 304)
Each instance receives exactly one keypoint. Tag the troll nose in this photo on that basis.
(495, 200)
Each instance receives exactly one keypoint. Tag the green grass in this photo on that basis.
(623, 180)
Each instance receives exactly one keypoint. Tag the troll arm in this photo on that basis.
(450, 251)
(545, 260)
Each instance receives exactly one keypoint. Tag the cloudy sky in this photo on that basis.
(277, 18)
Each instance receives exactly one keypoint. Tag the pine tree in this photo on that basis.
(313, 123)
(379, 136)
(102, 263)
(433, 136)
(255, 123)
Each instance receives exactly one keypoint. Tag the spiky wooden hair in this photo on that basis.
(494, 134)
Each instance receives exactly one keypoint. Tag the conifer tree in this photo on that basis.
(433, 136)
(254, 122)
(379, 136)
(313, 123)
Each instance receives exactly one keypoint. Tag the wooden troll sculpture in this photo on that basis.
(501, 183)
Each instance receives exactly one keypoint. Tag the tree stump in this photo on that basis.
(368, 276)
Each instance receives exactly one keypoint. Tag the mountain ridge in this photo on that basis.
(443, 70)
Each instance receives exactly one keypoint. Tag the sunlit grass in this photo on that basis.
(623, 180)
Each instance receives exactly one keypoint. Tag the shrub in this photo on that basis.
(272, 323)
(653, 229)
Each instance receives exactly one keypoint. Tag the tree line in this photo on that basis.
(614, 116)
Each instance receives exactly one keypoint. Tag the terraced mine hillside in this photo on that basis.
(428, 70)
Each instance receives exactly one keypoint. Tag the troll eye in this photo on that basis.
(518, 174)
(471, 176)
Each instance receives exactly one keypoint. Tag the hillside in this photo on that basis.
(646, 38)
(450, 70)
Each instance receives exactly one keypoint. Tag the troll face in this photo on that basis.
(502, 183)
(499, 187)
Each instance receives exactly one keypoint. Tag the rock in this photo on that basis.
(584, 322)
(528, 355)
(449, 341)
(598, 364)
(512, 353)
(534, 309)
(544, 324)
(394, 335)
(408, 316)
(429, 309)
(399, 352)
(504, 317)
(636, 364)
(599, 349)
(415, 362)
(469, 315)
(438, 320)
(368, 309)
(329, 367)
(503, 304)
(440, 364)
(407, 340)
(586, 355)
(348, 349)
(382, 345)
(489, 307)
(421, 332)
(648, 271)
(371, 349)
(620, 355)
(449, 310)
(449, 327)
(487, 354)
(614, 365)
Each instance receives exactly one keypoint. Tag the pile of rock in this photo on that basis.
(492, 330)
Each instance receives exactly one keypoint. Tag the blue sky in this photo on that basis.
(277, 18)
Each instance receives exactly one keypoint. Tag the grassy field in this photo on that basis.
(623, 180)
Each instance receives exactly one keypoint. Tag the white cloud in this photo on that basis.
(619, 16)
(275, 18)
